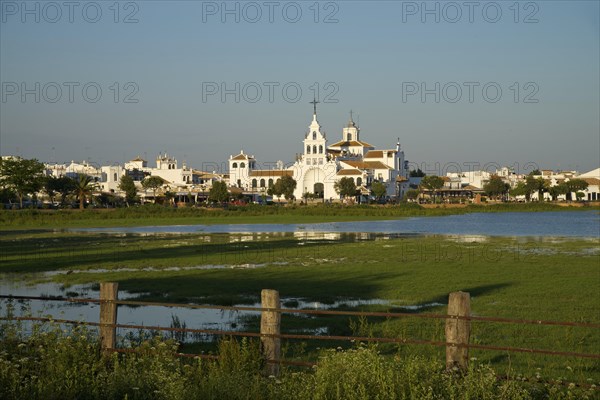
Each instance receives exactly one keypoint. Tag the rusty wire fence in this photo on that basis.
(457, 327)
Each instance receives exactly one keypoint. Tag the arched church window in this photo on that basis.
(254, 183)
(314, 135)
(239, 183)
(234, 165)
(315, 149)
(321, 149)
(307, 149)
(270, 182)
(349, 137)
(242, 165)
(262, 183)
(115, 177)
(359, 181)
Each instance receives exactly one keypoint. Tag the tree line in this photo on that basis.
(497, 188)
(20, 178)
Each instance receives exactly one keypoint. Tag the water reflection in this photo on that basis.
(556, 223)
(152, 316)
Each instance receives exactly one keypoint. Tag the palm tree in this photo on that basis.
(84, 187)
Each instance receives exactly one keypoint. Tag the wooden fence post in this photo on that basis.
(270, 324)
(108, 315)
(458, 330)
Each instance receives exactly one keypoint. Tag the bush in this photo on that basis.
(51, 362)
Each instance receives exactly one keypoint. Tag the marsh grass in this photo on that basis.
(549, 278)
(159, 215)
(57, 363)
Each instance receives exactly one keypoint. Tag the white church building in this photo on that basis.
(320, 165)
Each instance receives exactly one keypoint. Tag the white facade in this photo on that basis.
(319, 166)
(166, 168)
(111, 176)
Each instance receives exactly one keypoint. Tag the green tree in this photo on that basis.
(21, 175)
(535, 172)
(50, 186)
(218, 192)
(169, 197)
(579, 196)
(127, 185)
(412, 194)
(496, 187)
(519, 190)
(557, 190)
(539, 185)
(432, 183)
(65, 186)
(7, 195)
(153, 183)
(285, 186)
(378, 189)
(416, 173)
(575, 185)
(345, 187)
(83, 189)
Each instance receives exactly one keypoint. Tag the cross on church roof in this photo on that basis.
(314, 103)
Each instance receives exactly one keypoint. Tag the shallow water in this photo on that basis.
(157, 315)
(557, 223)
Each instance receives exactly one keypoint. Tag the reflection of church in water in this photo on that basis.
(320, 166)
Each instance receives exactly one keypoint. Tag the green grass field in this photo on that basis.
(541, 279)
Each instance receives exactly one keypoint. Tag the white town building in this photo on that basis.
(319, 166)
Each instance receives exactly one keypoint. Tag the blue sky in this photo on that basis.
(373, 55)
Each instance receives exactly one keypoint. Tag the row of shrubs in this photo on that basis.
(50, 362)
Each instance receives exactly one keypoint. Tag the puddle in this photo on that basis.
(158, 315)
(131, 315)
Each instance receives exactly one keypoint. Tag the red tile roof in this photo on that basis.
(366, 164)
(351, 143)
(374, 154)
(271, 172)
(241, 156)
(591, 181)
(347, 171)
